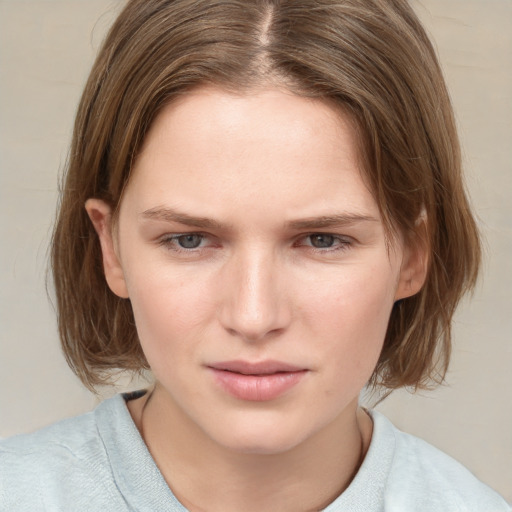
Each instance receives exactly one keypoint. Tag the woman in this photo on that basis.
(264, 206)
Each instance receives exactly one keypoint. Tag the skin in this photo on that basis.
(292, 265)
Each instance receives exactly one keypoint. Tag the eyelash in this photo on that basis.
(170, 242)
(342, 243)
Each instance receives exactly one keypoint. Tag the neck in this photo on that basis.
(306, 477)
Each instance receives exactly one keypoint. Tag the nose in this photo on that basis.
(254, 306)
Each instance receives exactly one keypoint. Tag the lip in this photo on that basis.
(258, 382)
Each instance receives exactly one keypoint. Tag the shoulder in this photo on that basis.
(65, 436)
(423, 478)
(38, 470)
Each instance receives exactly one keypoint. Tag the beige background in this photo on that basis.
(46, 49)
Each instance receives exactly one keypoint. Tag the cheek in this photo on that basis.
(349, 315)
(358, 299)
(169, 310)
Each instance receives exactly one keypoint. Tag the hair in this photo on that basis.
(370, 57)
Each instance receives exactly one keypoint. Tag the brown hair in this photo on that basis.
(371, 57)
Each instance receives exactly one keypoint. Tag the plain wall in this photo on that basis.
(46, 50)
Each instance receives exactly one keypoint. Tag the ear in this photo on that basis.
(100, 214)
(414, 268)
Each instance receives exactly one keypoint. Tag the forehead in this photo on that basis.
(270, 116)
(214, 150)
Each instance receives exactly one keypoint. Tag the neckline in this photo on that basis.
(143, 487)
(134, 470)
(366, 491)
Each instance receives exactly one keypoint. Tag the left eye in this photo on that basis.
(322, 241)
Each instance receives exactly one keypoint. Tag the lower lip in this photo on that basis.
(258, 388)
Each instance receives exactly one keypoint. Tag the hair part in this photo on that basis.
(370, 58)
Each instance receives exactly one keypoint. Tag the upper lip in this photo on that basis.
(255, 368)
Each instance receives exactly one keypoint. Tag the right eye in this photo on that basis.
(189, 241)
(183, 241)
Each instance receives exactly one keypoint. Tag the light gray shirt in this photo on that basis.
(99, 462)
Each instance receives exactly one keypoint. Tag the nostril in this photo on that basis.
(253, 303)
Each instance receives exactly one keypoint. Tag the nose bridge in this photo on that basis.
(254, 304)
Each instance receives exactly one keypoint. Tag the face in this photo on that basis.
(256, 262)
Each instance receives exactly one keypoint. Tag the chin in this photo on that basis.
(258, 438)
(268, 446)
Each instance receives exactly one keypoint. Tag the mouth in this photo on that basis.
(262, 381)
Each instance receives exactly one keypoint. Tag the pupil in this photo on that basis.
(189, 241)
(322, 241)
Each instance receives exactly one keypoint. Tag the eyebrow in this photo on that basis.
(325, 221)
(171, 215)
(329, 221)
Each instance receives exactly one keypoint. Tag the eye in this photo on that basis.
(322, 241)
(189, 241)
(183, 242)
